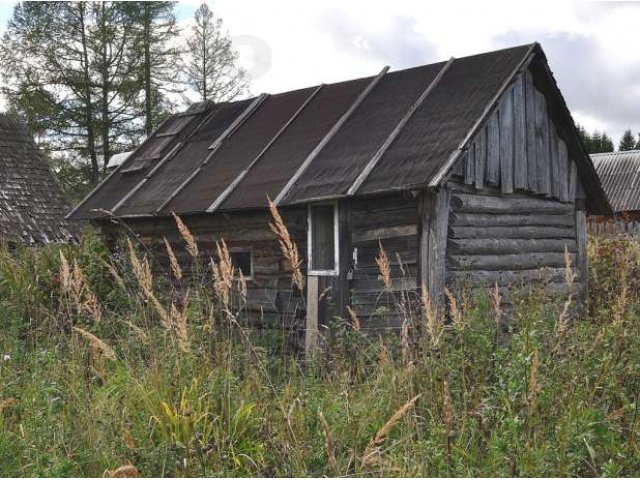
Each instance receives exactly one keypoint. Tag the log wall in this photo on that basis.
(271, 300)
(510, 240)
(392, 222)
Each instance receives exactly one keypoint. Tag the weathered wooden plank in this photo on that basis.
(573, 180)
(532, 153)
(375, 285)
(311, 326)
(480, 153)
(379, 233)
(397, 256)
(563, 171)
(383, 218)
(469, 203)
(469, 165)
(515, 261)
(458, 168)
(505, 277)
(379, 203)
(509, 220)
(433, 241)
(506, 142)
(511, 232)
(554, 161)
(487, 246)
(493, 149)
(542, 145)
(520, 136)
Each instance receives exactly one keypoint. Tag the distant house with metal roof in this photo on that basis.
(32, 204)
(467, 170)
(619, 174)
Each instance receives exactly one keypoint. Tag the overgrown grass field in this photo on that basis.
(106, 371)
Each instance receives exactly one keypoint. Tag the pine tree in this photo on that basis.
(627, 142)
(156, 30)
(67, 71)
(211, 66)
(596, 142)
(585, 137)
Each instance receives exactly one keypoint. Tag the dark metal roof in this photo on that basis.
(32, 204)
(399, 130)
(619, 173)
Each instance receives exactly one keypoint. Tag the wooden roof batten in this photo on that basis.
(522, 65)
(330, 134)
(396, 131)
(215, 146)
(232, 186)
(115, 170)
(161, 162)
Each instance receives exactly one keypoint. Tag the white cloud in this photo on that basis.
(593, 47)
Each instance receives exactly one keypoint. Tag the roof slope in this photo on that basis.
(619, 173)
(32, 205)
(393, 131)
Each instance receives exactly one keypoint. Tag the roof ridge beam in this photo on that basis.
(523, 64)
(215, 146)
(397, 130)
(232, 186)
(330, 134)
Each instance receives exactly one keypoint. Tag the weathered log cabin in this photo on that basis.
(619, 174)
(469, 169)
(32, 204)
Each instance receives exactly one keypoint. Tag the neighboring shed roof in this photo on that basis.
(393, 131)
(117, 159)
(32, 205)
(619, 173)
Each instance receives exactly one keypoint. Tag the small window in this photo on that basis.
(242, 261)
(323, 239)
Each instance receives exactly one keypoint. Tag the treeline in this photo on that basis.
(92, 79)
(600, 142)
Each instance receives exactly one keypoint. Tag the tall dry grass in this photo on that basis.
(106, 370)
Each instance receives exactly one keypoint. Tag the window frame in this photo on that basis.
(248, 250)
(336, 241)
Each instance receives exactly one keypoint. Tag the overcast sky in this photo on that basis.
(593, 47)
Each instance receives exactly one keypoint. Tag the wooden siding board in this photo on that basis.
(532, 152)
(563, 171)
(520, 135)
(554, 161)
(493, 149)
(542, 144)
(480, 153)
(506, 142)
(469, 165)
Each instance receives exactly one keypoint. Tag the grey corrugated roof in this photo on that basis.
(394, 131)
(32, 204)
(619, 173)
